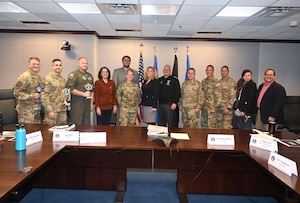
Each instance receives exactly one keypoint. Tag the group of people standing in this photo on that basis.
(222, 103)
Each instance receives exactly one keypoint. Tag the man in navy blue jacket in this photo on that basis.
(270, 102)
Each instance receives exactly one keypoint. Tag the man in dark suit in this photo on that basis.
(270, 102)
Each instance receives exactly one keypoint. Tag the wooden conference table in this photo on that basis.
(236, 170)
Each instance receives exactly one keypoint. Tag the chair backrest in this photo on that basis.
(7, 106)
(292, 109)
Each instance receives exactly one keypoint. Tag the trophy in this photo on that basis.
(88, 87)
(66, 93)
(39, 90)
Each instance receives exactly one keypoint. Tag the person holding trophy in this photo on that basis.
(80, 82)
(55, 96)
(27, 92)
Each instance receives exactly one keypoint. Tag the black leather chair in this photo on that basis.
(7, 107)
(292, 113)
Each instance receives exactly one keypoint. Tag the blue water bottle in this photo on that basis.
(20, 137)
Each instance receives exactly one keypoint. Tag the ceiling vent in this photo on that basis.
(209, 33)
(34, 22)
(280, 12)
(120, 9)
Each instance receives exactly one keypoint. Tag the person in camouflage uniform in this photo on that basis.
(191, 100)
(27, 93)
(80, 82)
(128, 95)
(212, 95)
(53, 97)
(228, 94)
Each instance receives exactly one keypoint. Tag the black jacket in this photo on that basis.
(150, 93)
(247, 101)
(272, 103)
(169, 90)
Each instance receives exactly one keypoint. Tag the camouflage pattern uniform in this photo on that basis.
(212, 95)
(53, 98)
(128, 95)
(80, 106)
(27, 108)
(192, 97)
(228, 94)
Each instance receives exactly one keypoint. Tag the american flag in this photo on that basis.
(139, 118)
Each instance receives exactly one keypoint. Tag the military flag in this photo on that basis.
(187, 65)
(175, 67)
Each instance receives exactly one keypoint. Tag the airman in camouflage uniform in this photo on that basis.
(212, 95)
(228, 91)
(128, 95)
(191, 100)
(53, 97)
(27, 96)
(81, 83)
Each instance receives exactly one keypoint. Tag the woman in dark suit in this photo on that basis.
(245, 102)
(150, 90)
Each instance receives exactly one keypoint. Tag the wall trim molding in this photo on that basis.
(146, 38)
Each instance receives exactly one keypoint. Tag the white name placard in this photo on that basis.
(220, 139)
(58, 145)
(283, 164)
(93, 138)
(260, 142)
(69, 136)
(34, 137)
(259, 153)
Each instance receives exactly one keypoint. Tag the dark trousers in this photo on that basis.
(166, 115)
(105, 117)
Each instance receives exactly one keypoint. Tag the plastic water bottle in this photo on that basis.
(20, 137)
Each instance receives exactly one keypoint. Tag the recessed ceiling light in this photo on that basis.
(169, 10)
(9, 7)
(238, 11)
(80, 8)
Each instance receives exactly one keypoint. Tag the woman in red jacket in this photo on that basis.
(105, 97)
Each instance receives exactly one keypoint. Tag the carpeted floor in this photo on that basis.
(142, 187)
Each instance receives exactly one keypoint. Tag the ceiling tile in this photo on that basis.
(56, 17)
(23, 16)
(199, 10)
(158, 19)
(41, 7)
(88, 18)
(123, 18)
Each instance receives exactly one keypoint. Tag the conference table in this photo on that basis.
(201, 168)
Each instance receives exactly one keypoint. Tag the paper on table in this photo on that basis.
(180, 136)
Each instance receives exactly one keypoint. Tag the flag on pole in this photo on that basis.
(187, 66)
(155, 63)
(156, 68)
(175, 74)
(175, 67)
(139, 118)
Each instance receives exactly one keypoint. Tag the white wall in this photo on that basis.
(285, 60)
(237, 56)
(16, 48)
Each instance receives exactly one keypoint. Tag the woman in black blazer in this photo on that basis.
(150, 90)
(245, 102)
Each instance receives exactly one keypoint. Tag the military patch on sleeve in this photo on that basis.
(71, 75)
(19, 84)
